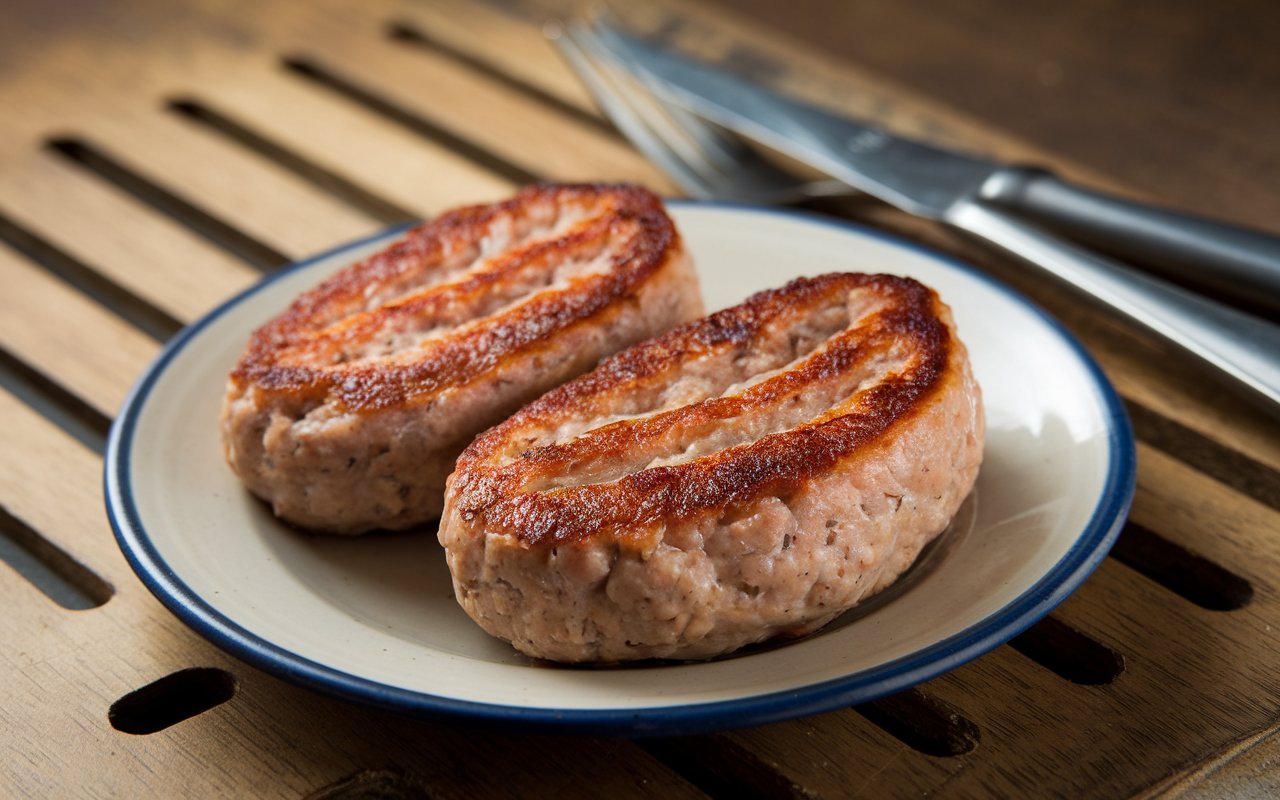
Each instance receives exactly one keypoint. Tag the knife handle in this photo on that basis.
(1242, 346)
(1235, 263)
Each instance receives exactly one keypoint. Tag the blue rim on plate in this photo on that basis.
(1092, 545)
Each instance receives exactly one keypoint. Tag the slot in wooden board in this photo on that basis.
(119, 237)
(248, 192)
(92, 352)
(401, 167)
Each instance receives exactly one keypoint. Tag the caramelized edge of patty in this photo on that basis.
(454, 360)
(635, 504)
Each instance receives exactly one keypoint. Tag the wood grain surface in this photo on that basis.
(155, 158)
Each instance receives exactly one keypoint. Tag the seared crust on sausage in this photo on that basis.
(347, 411)
(751, 474)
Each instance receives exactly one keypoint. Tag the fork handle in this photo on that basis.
(1242, 346)
(1233, 262)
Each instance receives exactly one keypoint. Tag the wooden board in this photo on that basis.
(167, 155)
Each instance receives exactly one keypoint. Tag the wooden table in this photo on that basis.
(157, 157)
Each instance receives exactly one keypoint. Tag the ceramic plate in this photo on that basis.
(374, 619)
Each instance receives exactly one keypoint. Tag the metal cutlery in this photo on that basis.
(969, 193)
(923, 179)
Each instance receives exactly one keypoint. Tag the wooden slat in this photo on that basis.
(1253, 770)
(92, 352)
(115, 234)
(498, 118)
(1209, 518)
(839, 754)
(506, 45)
(248, 192)
(395, 163)
(50, 482)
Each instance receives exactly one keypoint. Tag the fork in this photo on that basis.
(705, 162)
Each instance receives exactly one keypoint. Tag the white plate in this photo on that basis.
(374, 619)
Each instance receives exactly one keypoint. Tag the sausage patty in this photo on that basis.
(751, 474)
(348, 410)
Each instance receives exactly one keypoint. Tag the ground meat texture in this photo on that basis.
(749, 475)
(346, 413)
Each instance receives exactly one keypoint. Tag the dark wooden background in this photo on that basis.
(1178, 101)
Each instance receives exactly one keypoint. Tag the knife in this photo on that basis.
(923, 179)
(975, 195)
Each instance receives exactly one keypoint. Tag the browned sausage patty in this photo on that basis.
(348, 410)
(754, 473)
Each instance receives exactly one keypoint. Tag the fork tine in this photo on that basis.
(712, 145)
(704, 161)
(685, 140)
(582, 52)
